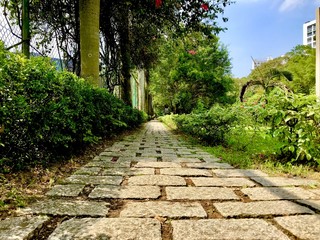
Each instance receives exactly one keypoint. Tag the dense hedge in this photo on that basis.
(46, 114)
(210, 126)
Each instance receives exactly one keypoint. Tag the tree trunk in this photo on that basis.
(89, 40)
(125, 57)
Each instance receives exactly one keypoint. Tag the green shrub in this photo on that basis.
(46, 115)
(211, 126)
(295, 120)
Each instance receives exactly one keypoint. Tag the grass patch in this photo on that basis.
(251, 148)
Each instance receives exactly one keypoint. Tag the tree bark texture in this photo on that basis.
(89, 40)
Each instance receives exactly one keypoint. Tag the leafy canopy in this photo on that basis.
(194, 69)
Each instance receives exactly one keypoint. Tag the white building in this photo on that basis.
(309, 33)
(257, 62)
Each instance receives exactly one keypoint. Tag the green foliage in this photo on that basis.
(210, 127)
(295, 120)
(193, 69)
(295, 71)
(301, 63)
(47, 114)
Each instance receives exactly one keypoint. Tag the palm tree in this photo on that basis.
(89, 40)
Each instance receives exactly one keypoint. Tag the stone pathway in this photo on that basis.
(153, 186)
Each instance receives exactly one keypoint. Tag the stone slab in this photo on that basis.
(185, 172)
(315, 191)
(212, 159)
(144, 159)
(21, 228)
(222, 182)
(239, 173)
(108, 228)
(115, 171)
(108, 164)
(127, 171)
(181, 160)
(159, 180)
(312, 203)
(214, 165)
(260, 208)
(112, 180)
(168, 150)
(231, 229)
(126, 192)
(58, 207)
(278, 193)
(304, 227)
(107, 155)
(88, 171)
(69, 190)
(155, 155)
(283, 181)
(163, 209)
(200, 193)
(157, 165)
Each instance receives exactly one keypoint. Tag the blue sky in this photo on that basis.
(264, 28)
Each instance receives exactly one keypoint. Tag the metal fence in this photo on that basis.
(10, 34)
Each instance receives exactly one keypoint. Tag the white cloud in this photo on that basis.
(248, 1)
(283, 5)
(288, 5)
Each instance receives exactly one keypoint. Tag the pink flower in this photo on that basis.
(158, 3)
(192, 52)
(205, 6)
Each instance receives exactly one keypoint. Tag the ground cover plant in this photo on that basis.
(46, 115)
(277, 131)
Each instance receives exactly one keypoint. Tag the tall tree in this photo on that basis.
(193, 70)
(89, 40)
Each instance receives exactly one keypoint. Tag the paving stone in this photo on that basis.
(209, 165)
(180, 151)
(159, 180)
(112, 180)
(150, 155)
(127, 171)
(181, 160)
(185, 172)
(21, 228)
(315, 191)
(277, 193)
(108, 164)
(125, 192)
(185, 157)
(312, 203)
(108, 228)
(284, 181)
(144, 159)
(168, 150)
(304, 227)
(169, 155)
(115, 171)
(222, 182)
(69, 190)
(239, 173)
(163, 209)
(157, 165)
(58, 207)
(200, 193)
(88, 171)
(261, 208)
(107, 154)
(212, 159)
(231, 229)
